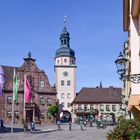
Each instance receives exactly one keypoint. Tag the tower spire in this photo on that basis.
(65, 17)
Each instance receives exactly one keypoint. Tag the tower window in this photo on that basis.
(62, 104)
(72, 61)
(57, 61)
(64, 41)
(68, 105)
(62, 82)
(68, 95)
(62, 95)
(65, 60)
(68, 83)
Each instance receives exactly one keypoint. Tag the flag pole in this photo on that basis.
(24, 112)
(12, 126)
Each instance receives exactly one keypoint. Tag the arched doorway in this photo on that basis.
(65, 116)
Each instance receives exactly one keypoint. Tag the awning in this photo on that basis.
(134, 101)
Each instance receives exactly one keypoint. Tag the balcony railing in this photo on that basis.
(85, 110)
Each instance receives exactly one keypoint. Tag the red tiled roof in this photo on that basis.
(99, 95)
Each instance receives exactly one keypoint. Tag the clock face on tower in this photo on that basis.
(65, 73)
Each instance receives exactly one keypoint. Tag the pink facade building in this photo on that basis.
(43, 94)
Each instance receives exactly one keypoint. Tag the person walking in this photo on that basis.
(32, 125)
(2, 128)
(81, 124)
(58, 124)
(70, 125)
(25, 126)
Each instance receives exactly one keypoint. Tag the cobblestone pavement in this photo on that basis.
(52, 133)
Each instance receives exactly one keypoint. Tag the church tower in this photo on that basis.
(65, 71)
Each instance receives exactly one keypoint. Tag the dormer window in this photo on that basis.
(42, 84)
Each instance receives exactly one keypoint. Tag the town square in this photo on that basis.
(70, 70)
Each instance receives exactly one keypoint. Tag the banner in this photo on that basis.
(2, 80)
(15, 86)
(27, 90)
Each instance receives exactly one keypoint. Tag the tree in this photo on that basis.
(53, 110)
(125, 130)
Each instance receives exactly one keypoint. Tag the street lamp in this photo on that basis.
(121, 65)
(121, 70)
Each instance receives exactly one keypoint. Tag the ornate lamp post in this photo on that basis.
(121, 65)
(121, 69)
(121, 62)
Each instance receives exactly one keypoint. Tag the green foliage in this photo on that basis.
(53, 110)
(125, 130)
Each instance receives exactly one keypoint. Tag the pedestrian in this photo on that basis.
(2, 128)
(25, 126)
(58, 124)
(32, 125)
(81, 124)
(70, 125)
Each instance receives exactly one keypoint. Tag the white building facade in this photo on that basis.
(131, 23)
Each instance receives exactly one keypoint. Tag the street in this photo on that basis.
(52, 133)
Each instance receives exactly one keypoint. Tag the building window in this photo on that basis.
(65, 60)
(68, 95)
(85, 107)
(9, 99)
(68, 83)
(101, 108)
(42, 84)
(49, 101)
(120, 106)
(68, 105)
(62, 104)
(16, 114)
(9, 114)
(42, 115)
(42, 101)
(62, 95)
(48, 115)
(113, 108)
(91, 107)
(62, 82)
(79, 107)
(107, 108)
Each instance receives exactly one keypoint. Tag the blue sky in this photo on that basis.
(95, 27)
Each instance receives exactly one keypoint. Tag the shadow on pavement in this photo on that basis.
(8, 130)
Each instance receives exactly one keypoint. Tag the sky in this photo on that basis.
(96, 36)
